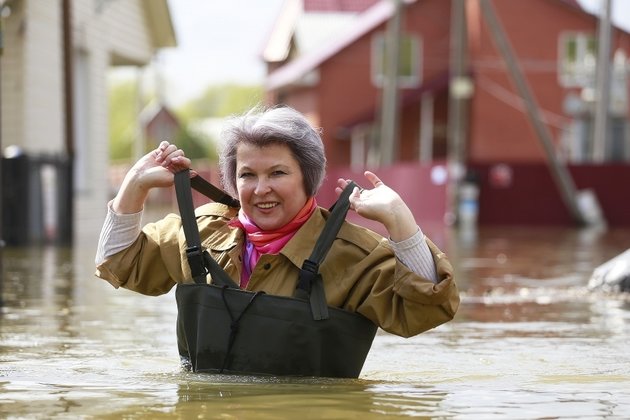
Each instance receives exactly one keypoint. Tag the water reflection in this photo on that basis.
(277, 398)
(530, 341)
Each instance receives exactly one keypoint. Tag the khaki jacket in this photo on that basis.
(360, 272)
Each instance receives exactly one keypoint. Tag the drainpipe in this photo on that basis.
(66, 232)
(1, 152)
(602, 86)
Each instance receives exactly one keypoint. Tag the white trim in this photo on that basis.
(82, 121)
(404, 81)
(578, 77)
(279, 42)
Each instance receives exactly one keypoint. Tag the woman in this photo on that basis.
(274, 162)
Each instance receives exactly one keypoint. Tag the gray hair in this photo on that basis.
(277, 125)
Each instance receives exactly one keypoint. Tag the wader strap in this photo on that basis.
(200, 262)
(234, 324)
(310, 285)
(215, 194)
(194, 253)
(310, 281)
(218, 274)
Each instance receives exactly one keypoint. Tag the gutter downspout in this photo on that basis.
(67, 195)
(1, 154)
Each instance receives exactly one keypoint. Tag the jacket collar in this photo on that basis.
(296, 250)
(301, 245)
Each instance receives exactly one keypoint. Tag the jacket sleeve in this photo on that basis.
(398, 300)
(152, 264)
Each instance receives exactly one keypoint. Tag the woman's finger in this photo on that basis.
(171, 153)
(179, 163)
(165, 152)
(374, 180)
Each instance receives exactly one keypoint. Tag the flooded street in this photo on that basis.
(529, 341)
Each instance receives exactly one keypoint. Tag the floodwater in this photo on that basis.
(530, 341)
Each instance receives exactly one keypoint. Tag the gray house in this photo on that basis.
(56, 58)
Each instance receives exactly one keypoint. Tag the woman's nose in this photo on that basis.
(262, 187)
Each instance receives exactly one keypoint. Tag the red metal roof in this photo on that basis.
(377, 14)
(296, 69)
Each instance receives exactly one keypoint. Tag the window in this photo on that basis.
(579, 139)
(577, 58)
(409, 63)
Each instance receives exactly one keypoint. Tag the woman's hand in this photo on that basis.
(156, 168)
(383, 205)
(153, 170)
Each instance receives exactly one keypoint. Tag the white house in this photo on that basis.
(105, 34)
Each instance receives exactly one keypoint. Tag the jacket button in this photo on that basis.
(267, 266)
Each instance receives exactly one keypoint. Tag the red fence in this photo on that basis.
(509, 194)
(526, 193)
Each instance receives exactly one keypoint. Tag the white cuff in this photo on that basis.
(118, 232)
(416, 255)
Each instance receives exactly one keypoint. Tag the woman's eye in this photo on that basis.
(278, 173)
(245, 175)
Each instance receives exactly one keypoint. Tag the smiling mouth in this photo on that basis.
(266, 206)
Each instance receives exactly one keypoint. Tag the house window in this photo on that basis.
(580, 138)
(408, 65)
(577, 58)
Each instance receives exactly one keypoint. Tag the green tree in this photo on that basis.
(221, 101)
(122, 120)
(194, 145)
(216, 101)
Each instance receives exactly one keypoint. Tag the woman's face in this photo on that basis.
(270, 184)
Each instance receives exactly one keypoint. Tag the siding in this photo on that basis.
(12, 79)
(43, 87)
(127, 32)
(104, 34)
(115, 34)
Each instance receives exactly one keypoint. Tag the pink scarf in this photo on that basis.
(261, 242)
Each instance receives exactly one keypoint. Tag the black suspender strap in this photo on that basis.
(310, 284)
(217, 195)
(333, 224)
(310, 281)
(198, 258)
(194, 253)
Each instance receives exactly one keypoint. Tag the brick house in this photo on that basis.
(338, 85)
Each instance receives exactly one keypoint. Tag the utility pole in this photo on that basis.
(559, 172)
(460, 89)
(389, 108)
(602, 85)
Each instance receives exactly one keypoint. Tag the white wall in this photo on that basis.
(43, 78)
(12, 100)
(105, 33)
